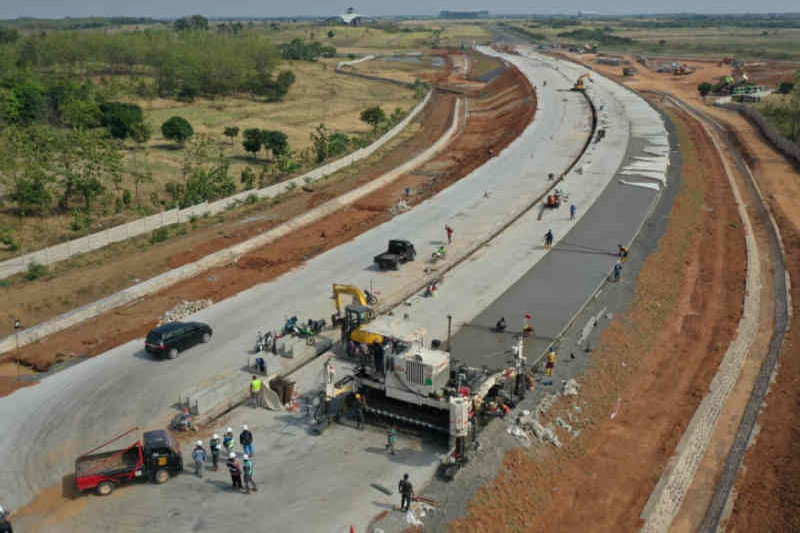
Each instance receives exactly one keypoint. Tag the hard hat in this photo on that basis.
(232, 455)
(244, 426)
(229, 430)
(358, 396)
(216, 436)
(199, 443)
(244, 457)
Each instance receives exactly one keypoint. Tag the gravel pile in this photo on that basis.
(183, 309)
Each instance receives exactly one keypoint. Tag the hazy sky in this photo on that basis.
(275, 8)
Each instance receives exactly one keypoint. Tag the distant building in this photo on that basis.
(463, 14)
(349, 17)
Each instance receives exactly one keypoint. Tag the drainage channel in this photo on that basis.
(744, 432)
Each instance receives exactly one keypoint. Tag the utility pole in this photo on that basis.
(17, 327)
(449, 330)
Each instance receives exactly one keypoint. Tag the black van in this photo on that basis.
(175, 337)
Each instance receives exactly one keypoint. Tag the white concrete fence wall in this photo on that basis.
(145, 225)
(226, 255)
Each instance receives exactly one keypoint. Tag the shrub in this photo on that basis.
(159, 235)
(35, 271)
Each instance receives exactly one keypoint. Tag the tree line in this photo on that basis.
(181, 64)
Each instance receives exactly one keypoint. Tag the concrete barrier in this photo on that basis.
(227, 255)
(148, 224)
(232, 390)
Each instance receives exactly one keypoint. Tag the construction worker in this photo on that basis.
(622, 252)
(247, 467)
(246, 440)
(235, 470)
(551, 362)
(548, 238)
(199, 456)
(214, 445)
(572, 211)
(359, 411)
(501, 325)
(255, 392)
(617, 270)
(227, 440)
(449, 232)
(391, 438)
(406, 490)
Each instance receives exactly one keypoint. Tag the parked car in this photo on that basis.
(5, 520)
(397, 253)
(169, 339)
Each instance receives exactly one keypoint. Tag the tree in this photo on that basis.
(232, 132)
(248, 178)
(195, 22)
(320, 138)
(8, 35)
(785, 87)
(373, 116)
(121, 118)
(704, 88)
(330, 34)
(662, 42)
(177, 129)
(338, 143)
(252, 140)
(275, 141)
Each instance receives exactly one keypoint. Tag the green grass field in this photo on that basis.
(740, 42)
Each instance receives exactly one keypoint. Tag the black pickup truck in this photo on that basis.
(399, 252)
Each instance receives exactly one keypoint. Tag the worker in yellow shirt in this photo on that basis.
(551, 362)
(256, 398)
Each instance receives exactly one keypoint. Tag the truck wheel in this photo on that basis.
(173, 353)
(206, 337)
(161, 476)
(105, 488)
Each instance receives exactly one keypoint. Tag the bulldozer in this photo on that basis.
(579, 85)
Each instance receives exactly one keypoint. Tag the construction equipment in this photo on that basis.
(579, 85)
(361, 297)
(355, 317)
(629, 71)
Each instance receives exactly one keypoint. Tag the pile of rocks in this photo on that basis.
(184, 309)
(529, 427)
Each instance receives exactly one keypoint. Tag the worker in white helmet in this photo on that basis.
(235, 470)
(227, 440)
(215, 445)
(199, 456)
(246, 440)
(247, 466)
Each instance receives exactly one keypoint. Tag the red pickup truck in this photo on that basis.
(154, 458)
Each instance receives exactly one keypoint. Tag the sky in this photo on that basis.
(274, 8)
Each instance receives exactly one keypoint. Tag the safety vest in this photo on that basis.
(551, 357)
(255, 385)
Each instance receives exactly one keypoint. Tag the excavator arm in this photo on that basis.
(359, 297)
